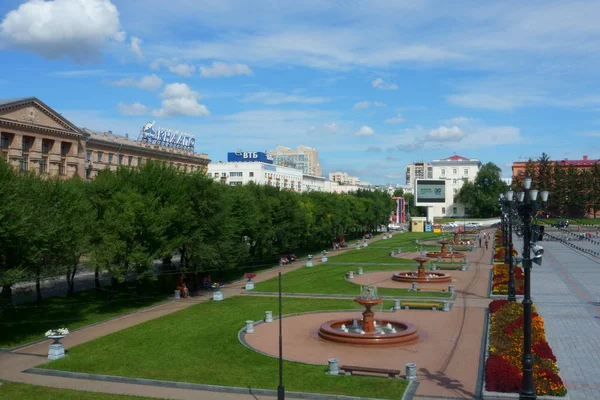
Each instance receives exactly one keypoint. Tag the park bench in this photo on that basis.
(432, 289)
(391, 373)
(415, 304)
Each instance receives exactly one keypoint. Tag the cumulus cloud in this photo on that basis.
(361, 105)
(182, 69)
(147, 82)
(379, 104)
(379, 83)
(62, 28)
(136, 47)
(365, 131)
(132, 109)
(274, 98)
(325, 129)
(445, 134)
(395, 120)
(223, 70)
(180, 99)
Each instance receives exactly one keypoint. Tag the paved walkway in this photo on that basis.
(564, 289)
(444, 377)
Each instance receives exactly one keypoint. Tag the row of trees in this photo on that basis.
(574, 192)
(480, 197)
(122, 221)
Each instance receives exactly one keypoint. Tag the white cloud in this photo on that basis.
(395, 120)
(325, 129)
(445, 134)
(220, 70)
(159, 63)
(379, 104)
(362, 105)
(273, 98)
(62, 28)
(332, 127)
(182, 69)
(147, 82)
(365, 131)
(458, 121)
(180, 99)
(490, 101)
(379, 83)
(132, 109)
(136, 47)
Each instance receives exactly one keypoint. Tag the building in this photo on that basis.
(303, 158)
(241, 173)
(455, 170)
(34, 137)
(518, 167)
(343, 178)
(313, 183)
(418, 170)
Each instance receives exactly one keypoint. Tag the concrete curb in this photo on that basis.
(348, 296)
(410, 391)
(189, 386)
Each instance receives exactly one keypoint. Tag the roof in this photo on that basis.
(457, 158)
(15, 100)
(578, 163)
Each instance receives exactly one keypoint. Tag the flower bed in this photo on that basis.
(499, 253)
(503, 365)
(500, 279)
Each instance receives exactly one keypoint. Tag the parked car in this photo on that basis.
(472, 224)
(561, 224)
(450, 225)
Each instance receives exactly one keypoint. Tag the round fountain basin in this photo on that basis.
(388, 332)
(430, 277)
(447, 254)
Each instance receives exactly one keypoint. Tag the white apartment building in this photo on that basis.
(240, 173)
(344, 179)
(303, 158)
(456, 170)
(313, 183)
(418, 170)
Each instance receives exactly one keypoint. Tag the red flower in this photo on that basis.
(249, 275)
(501, 376)
(497, 304)
(543, 350)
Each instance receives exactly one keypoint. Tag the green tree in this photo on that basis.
(481, 196)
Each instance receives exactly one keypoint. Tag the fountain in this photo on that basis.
(369, 330)
(443, 253)
(420, 275)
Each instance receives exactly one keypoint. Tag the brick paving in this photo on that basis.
(563, 290)
(447, 358)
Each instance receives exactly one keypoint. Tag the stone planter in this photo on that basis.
(217, 295)
(56, 350)
(249, 284)
(269, 316)
(360, 271)
(351, 275)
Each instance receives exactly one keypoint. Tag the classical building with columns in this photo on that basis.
(34, 137)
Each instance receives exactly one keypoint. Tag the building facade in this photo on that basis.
(343, 178)
(456, 170)
(33, 137)
(241, 173)
(518, 167)
(303, 158)
(418, 170)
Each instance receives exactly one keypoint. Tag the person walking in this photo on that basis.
(486, 244)
(480, 240)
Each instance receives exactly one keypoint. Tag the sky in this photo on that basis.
(372, 85)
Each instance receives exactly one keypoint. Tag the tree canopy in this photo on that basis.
(481, 196)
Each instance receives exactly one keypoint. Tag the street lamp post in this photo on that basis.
(506, 201)
(528, 203)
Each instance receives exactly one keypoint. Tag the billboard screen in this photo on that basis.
(430, 191)
(241, 156)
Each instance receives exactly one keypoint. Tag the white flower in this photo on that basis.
(57, 332)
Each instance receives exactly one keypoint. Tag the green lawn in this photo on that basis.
(28, 322)
(572, 221)
(20, 391)
(200, 345)
(329, 279)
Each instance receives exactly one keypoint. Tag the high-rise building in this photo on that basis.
(303, 158)
(343, 178)
(418, 170)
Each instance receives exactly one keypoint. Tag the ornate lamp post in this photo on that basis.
(506, 202)
(527, 206)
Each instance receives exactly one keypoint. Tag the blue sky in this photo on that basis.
(373, 85)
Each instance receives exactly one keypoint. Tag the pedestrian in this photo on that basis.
(486, 244)
(480, 241)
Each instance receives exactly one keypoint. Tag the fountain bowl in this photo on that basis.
(430, 277)
(406, 333)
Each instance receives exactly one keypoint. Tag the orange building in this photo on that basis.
(518, 167)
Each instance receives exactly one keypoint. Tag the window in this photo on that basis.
(191, 168)
(454, 210)
(110, 158)
(251, 174)
(223, 174)
(46, 146)
(443, 171)
(99, 156)
(454, 181)
(130, 161)
(466, 211)
(216, 174)
(26, 143)
(4, 142)
(65, 147)
(454, 171)
(24, 164)
(44, 165)
(236, 174)
(120, 159)
(443, 210)
(466, 171)
(62, 168)
(88, 156)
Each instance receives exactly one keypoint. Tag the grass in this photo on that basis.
(329, 279)
(200, 345)
(25, 323)
(21, 391)
(572, 221)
